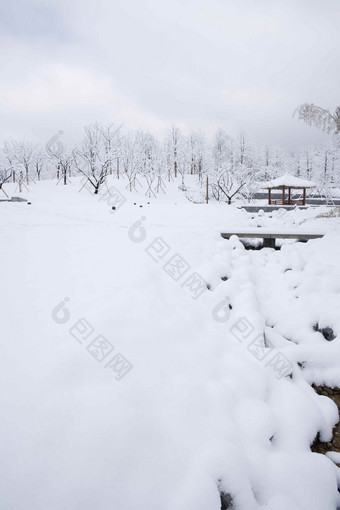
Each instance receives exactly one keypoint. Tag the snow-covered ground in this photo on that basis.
(126, 383)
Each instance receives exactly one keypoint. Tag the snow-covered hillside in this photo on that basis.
(147, 363)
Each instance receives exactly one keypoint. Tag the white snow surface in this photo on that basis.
(198, 410)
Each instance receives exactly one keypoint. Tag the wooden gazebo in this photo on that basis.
(286, 184)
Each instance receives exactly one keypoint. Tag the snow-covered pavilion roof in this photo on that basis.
(289, 181)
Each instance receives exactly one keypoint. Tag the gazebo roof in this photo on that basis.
(289, 181)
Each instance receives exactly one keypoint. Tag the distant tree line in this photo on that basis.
(233, 166)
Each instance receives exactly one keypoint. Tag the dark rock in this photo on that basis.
(334, 444)
(226, 498)
(226, 501)
(327, 332)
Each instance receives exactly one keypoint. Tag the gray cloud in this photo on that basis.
(33, 21)
(200, 64)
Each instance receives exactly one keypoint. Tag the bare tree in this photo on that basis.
(228, 181)
(201, 155)
(173, 141)
(39, 160)
(192, 146)
(63, 158)
(23, 154)
(128, 158)
(314, 115)
(111, 143)
(9, 158)
(183, 162)
(5, 175)
(197, 153)
(160, 165)
(146, 153)
(243, 151)
(221, 148)
(94, 176)
(92, 159)
(91, 146)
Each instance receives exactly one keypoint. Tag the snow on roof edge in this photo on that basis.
(289, 181)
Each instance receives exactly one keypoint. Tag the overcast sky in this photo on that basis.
(150, 63)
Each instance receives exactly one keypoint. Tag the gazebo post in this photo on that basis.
(289, 198)
(269, 196)
(283, 195)
(304, 197)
